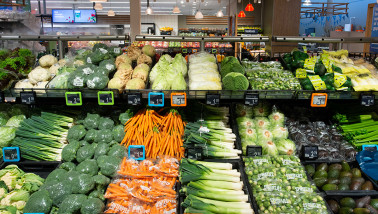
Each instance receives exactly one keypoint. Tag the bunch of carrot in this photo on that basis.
(144, 187)
(161, 135)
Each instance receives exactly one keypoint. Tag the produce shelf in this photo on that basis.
(325, 39)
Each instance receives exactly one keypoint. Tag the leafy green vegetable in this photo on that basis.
(280, 132)
(104, 136)
(7, 134)
(68, 166)
(235, 81)
(269, 148)
(82, 184)
(108, 164)
(15, 120)
(118, 133)
(91, 121)
(72, 203)
(285, 147)
(124, 117)
(105, 123)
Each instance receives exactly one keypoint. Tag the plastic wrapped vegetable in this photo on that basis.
(261, 122)
(245, 122)
(285, 147)
(108, 65)
(261, 110)
(97, 81)
(280, 132)
(88, 167)
(243, 111)
(269, 148)
(76, 132)
(277, 119)
(264, 135)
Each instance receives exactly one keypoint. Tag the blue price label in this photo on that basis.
(156, 99)
(370, 147)
(137, 152)
(11, 154)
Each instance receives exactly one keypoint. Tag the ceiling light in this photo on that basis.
(111, 13)
(249, 7)
(98, 6)
(241, 14)
(307, 3)
(199, 15)
(182, 2)
(259, 2)
(98, 0)
(220, 14)
(176, 10)
(149, 11)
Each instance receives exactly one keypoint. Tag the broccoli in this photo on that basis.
(97, 46)
(82, 184)
(69, 152)
(83, 143)
(68, 166)
(71, 175)
(124, 117)
(118, 133)
(95, 58)
(39, 202)
(92, 205)
(101, 149)
(59, 191)
(76, 132)
(117, 151)
(108, 165)
(76, 80)
(56, 175)
(72, 203)
(96, 194)
(84, 153)
(86, 69)
(104, 136)
(101, 180)
(91, 121)
(108, 65)
(88, 167)
(235, 81)
(105, 123)
(91, 135)
(97, 81)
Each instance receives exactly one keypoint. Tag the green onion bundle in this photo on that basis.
(42, 137)
(212, 187)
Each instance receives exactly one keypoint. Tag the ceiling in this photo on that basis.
(122, 7)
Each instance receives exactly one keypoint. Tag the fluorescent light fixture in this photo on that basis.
(111, 13)
(220, 14)
(176, 10)
(199, 15)
(98, 6)
(307, 3)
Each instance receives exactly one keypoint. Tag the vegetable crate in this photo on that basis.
(341, 179)
(348, 204)
(235, 165)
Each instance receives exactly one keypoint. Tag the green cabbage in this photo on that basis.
(269, 148)
(15, 120)
(178, 82)
(280, 132)
(262, 122)
(7, 134)
(285, 147)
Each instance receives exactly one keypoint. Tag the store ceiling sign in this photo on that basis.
(374, 29)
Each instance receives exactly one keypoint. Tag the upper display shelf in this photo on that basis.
(62, 38)
(203, 39)
(325, 39)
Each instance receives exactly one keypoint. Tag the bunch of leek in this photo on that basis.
(215, 138)
(212, 187)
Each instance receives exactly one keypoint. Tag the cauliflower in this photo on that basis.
(122, 59)
(2, 192)
(133, 53)
(54, 69)
(47, 61)
(16, 198)
(144, 59)
(23, 84)
(62, 62)
(9, 180)
(39, 74)
(40, 85)
(19, 204)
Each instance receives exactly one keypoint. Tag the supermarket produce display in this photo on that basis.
(195, 159)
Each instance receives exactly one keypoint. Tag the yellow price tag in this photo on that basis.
(310, 63)
(318, 83)
(300, 73)
(304, 49)
(339, 79)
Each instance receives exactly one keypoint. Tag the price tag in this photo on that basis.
(2, 97)
(253, 151)
(319, 99)
(11, 154)
(137, 152)
(134, 98)
(310, 152)
(304, 49)
(184, 50)
(156, 99)
(178, 99)
(251, 99)
(212, 99)
(194, 153)
(213, 50)
(317, 82)
(73, 99)
(105, 98)
(117, 50)
(367, 99)
(27, 97)
(194, 50)
(370, 147)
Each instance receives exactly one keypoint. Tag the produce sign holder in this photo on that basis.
(251, 99)
(11, 154)
(105, 98)
(137, 152)
(235, 165)
(178, 99)
(156, 99)
(73, 99)
(346, 193)
(28, 97)
(212, 99)
(370, 147)
(134, 98)
(310, 152)
(253, 151)
(367, 99)
(319, 99)
(2, 97)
